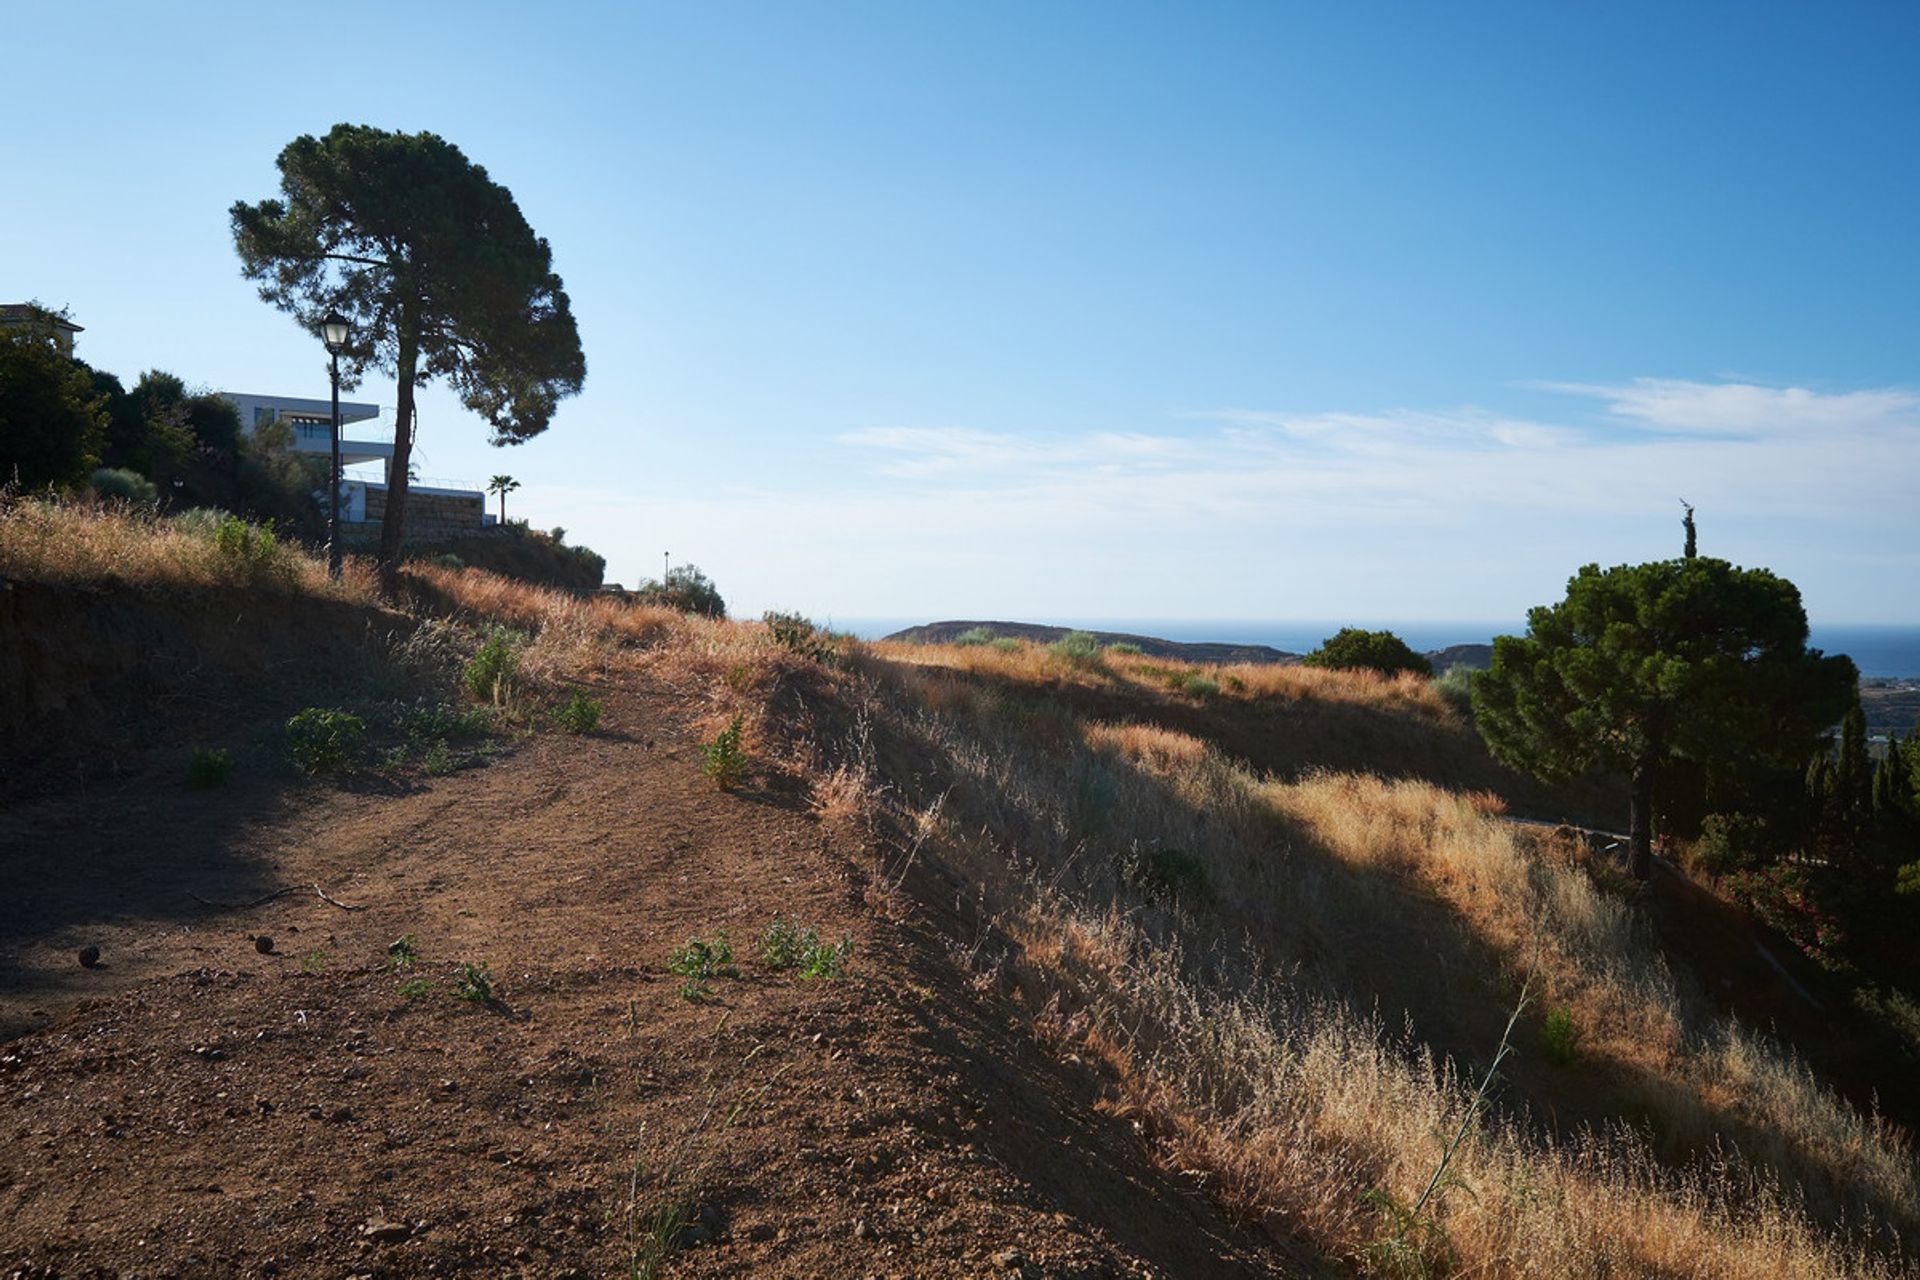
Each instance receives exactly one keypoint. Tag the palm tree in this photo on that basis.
(502, 485)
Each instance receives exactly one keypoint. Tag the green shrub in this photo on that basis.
(1559, 1036)
(1078, 648)
(426, 722)
(1004, 644)
(1731, 842)
(796, 634)
(700, 961)
(124, 485)
(783, 943)
(249, 549)
(1124, 649)
(973, 636)
(787, 945)
(320, 738)
(1455, 684)
(1356, 649)
(474, 982)
(403, 952)
(686, 589)
(489, 673)
(448, 560)
(414, 988)
(823, 961)
(1192, 682)
(725, 760)
(581, 714)
(208, 768)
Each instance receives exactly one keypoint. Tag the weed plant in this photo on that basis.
(1560, 1037)
(473, 983)
(725, 761)
(579, 714)
(321, 738)
(698, 962)
(208, 768)
(489, 673)
(974, 635)
(1077, 648)
(785, 944)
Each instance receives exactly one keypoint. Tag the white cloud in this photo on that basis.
(1745, 408)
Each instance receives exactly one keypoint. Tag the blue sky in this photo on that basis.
(1106, 310)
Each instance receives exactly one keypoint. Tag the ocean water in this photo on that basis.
(1876, 650)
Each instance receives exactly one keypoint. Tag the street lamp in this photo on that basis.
(333, 332)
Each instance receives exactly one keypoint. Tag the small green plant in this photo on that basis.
(580, 714)
(700, 961)
(209, 767)
(246, 547)
(822, 961)
(489, 673)
(1077, 648)
(402, 953)
(474, 983)
(1003, 644)
(1124, 649)
(1559, 1036)
(315, 961)
(438, 762)
(783, 943)
(973, 636)
(725, 760)
(321, 738)
(414, 988)
(1192, 682)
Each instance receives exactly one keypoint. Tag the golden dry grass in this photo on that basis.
(97, 544)
(1240, 1027)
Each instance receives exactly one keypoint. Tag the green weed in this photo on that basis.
(315, 961)
(725, 760)
(700, 961)
(210, 767)
(1560, 1037)
(474, 983)
(489, 673)
(321, 738)
(580, 714)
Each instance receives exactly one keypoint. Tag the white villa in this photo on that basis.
(431, 510)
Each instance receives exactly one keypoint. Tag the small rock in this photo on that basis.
(380, 1231)
(1010, 1260)
(863, 1230)
(89, 957)
(263, 944)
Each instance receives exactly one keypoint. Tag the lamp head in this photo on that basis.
(334, 330)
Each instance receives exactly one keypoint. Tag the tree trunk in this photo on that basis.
(1640, 822)
(393, 524)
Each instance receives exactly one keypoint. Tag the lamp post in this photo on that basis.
(333, 331)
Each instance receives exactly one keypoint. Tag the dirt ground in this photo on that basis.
(194, 1107)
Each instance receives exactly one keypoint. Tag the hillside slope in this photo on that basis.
(1156, 969)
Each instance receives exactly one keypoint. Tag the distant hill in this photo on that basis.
(946, 632)
(1477, 656)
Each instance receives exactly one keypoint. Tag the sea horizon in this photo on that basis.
(1880, 650)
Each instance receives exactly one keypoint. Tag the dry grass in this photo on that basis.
(1035, 665)
(1248, 1028)
(100, 544)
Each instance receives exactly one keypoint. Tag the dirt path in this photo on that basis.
(196, 1108)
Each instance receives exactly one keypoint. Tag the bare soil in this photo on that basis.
(195, 1107)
